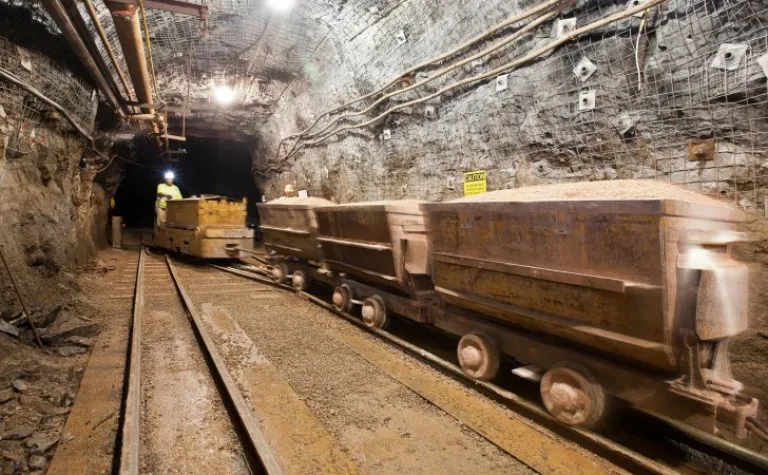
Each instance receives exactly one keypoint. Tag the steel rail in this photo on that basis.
(513, 399)
(231, 392)
(130, 430)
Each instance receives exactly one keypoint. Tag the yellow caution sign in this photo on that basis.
(474, 183)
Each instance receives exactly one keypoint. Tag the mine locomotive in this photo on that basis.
(624, 289)
(209, 227)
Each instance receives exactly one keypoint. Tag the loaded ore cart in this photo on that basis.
(289, 227)
(614, 288)
(378, 250)
(211, 227)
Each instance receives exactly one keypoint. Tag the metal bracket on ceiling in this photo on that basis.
(633, 4)
(625, 123)
(562, 27)
(502, 81)
(703, 149)
(584, 69)
(729, 56)
(587, 100)
(763, 62)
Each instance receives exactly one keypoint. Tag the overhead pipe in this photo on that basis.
(152, 69)
(88, 40)
(105, 41)
(128, 31)
(59, 15)
(147, 117)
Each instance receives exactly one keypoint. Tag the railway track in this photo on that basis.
(182, 413)
(710, 454)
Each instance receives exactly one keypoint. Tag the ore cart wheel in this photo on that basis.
(342, 298)
(300, 280)
(375, 313)
(572, 395)
(479, 357)
(280, 272)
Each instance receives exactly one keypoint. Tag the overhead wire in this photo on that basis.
(108, 163)
(516, 35)
(637, 49)
(250, 46)
(494, 29)
(496, 46)
(123, 159)
(505, 67)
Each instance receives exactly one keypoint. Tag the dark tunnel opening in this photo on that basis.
(210, 167)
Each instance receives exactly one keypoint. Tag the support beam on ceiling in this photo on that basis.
(177, 138)
(173, 6)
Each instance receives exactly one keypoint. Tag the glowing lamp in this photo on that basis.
(281, 5)
(224, 95)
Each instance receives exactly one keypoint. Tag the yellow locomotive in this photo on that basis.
(209, 227)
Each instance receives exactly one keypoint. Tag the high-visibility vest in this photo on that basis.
(172, 190)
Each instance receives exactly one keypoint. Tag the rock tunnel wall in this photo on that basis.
(51, 213)
(533, 130)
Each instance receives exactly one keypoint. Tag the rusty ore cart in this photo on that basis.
(379, 252)
(209, 227)
(624, 288)
(289, 227)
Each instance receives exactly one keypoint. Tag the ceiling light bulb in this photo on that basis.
(224, 95)
(281, 5)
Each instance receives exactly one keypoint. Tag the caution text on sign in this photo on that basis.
(474, 183)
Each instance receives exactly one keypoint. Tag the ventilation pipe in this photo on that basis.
(59, 15)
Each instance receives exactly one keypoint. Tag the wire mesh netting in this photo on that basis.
(28, 125)
(240, 44)
(50, 78)
(668, 83)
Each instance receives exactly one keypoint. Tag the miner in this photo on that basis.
(165, 191)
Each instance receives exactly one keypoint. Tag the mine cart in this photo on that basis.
(380, 251)
(209, 227)
(625, 288)
(289, 227)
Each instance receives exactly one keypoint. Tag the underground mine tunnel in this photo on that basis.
(412, 236)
